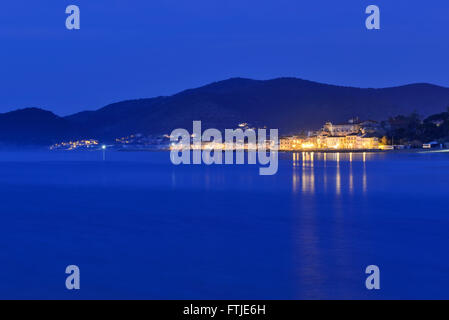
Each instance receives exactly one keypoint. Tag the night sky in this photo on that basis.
(130, 49)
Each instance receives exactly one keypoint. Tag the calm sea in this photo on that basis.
(139, 227)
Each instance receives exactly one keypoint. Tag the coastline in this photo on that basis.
(314, 151)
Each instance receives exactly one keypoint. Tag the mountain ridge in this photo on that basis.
(287, 103)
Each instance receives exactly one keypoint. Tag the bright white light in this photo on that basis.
(103, 147)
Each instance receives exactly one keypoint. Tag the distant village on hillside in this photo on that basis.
(401, 132)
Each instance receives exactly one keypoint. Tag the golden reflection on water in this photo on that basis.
(350, 165)
(351, 177)
(308, 180)
(365, 183)
(338, 177)
(295, 180)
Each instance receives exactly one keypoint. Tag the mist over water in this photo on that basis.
(140, 227)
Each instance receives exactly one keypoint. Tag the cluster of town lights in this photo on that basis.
(72, 145)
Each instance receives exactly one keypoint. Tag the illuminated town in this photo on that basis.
(351, 136)
(354, 135)
(72, 145)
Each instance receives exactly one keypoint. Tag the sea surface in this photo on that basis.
(140, 227)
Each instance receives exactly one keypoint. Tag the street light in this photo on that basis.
(103, 147)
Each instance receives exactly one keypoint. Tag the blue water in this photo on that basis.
(141, 228)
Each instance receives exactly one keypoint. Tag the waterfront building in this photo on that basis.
(340, 130)
(352, 136)
(290, 143)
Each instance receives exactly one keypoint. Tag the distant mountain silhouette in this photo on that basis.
(288, 104)
(33, 126)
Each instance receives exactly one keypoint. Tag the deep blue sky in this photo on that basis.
(142, 48)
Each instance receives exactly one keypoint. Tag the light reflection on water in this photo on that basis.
(308, 232)
(329, 168)
(351, 176)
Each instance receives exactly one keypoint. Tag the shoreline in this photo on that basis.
(314, 151)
